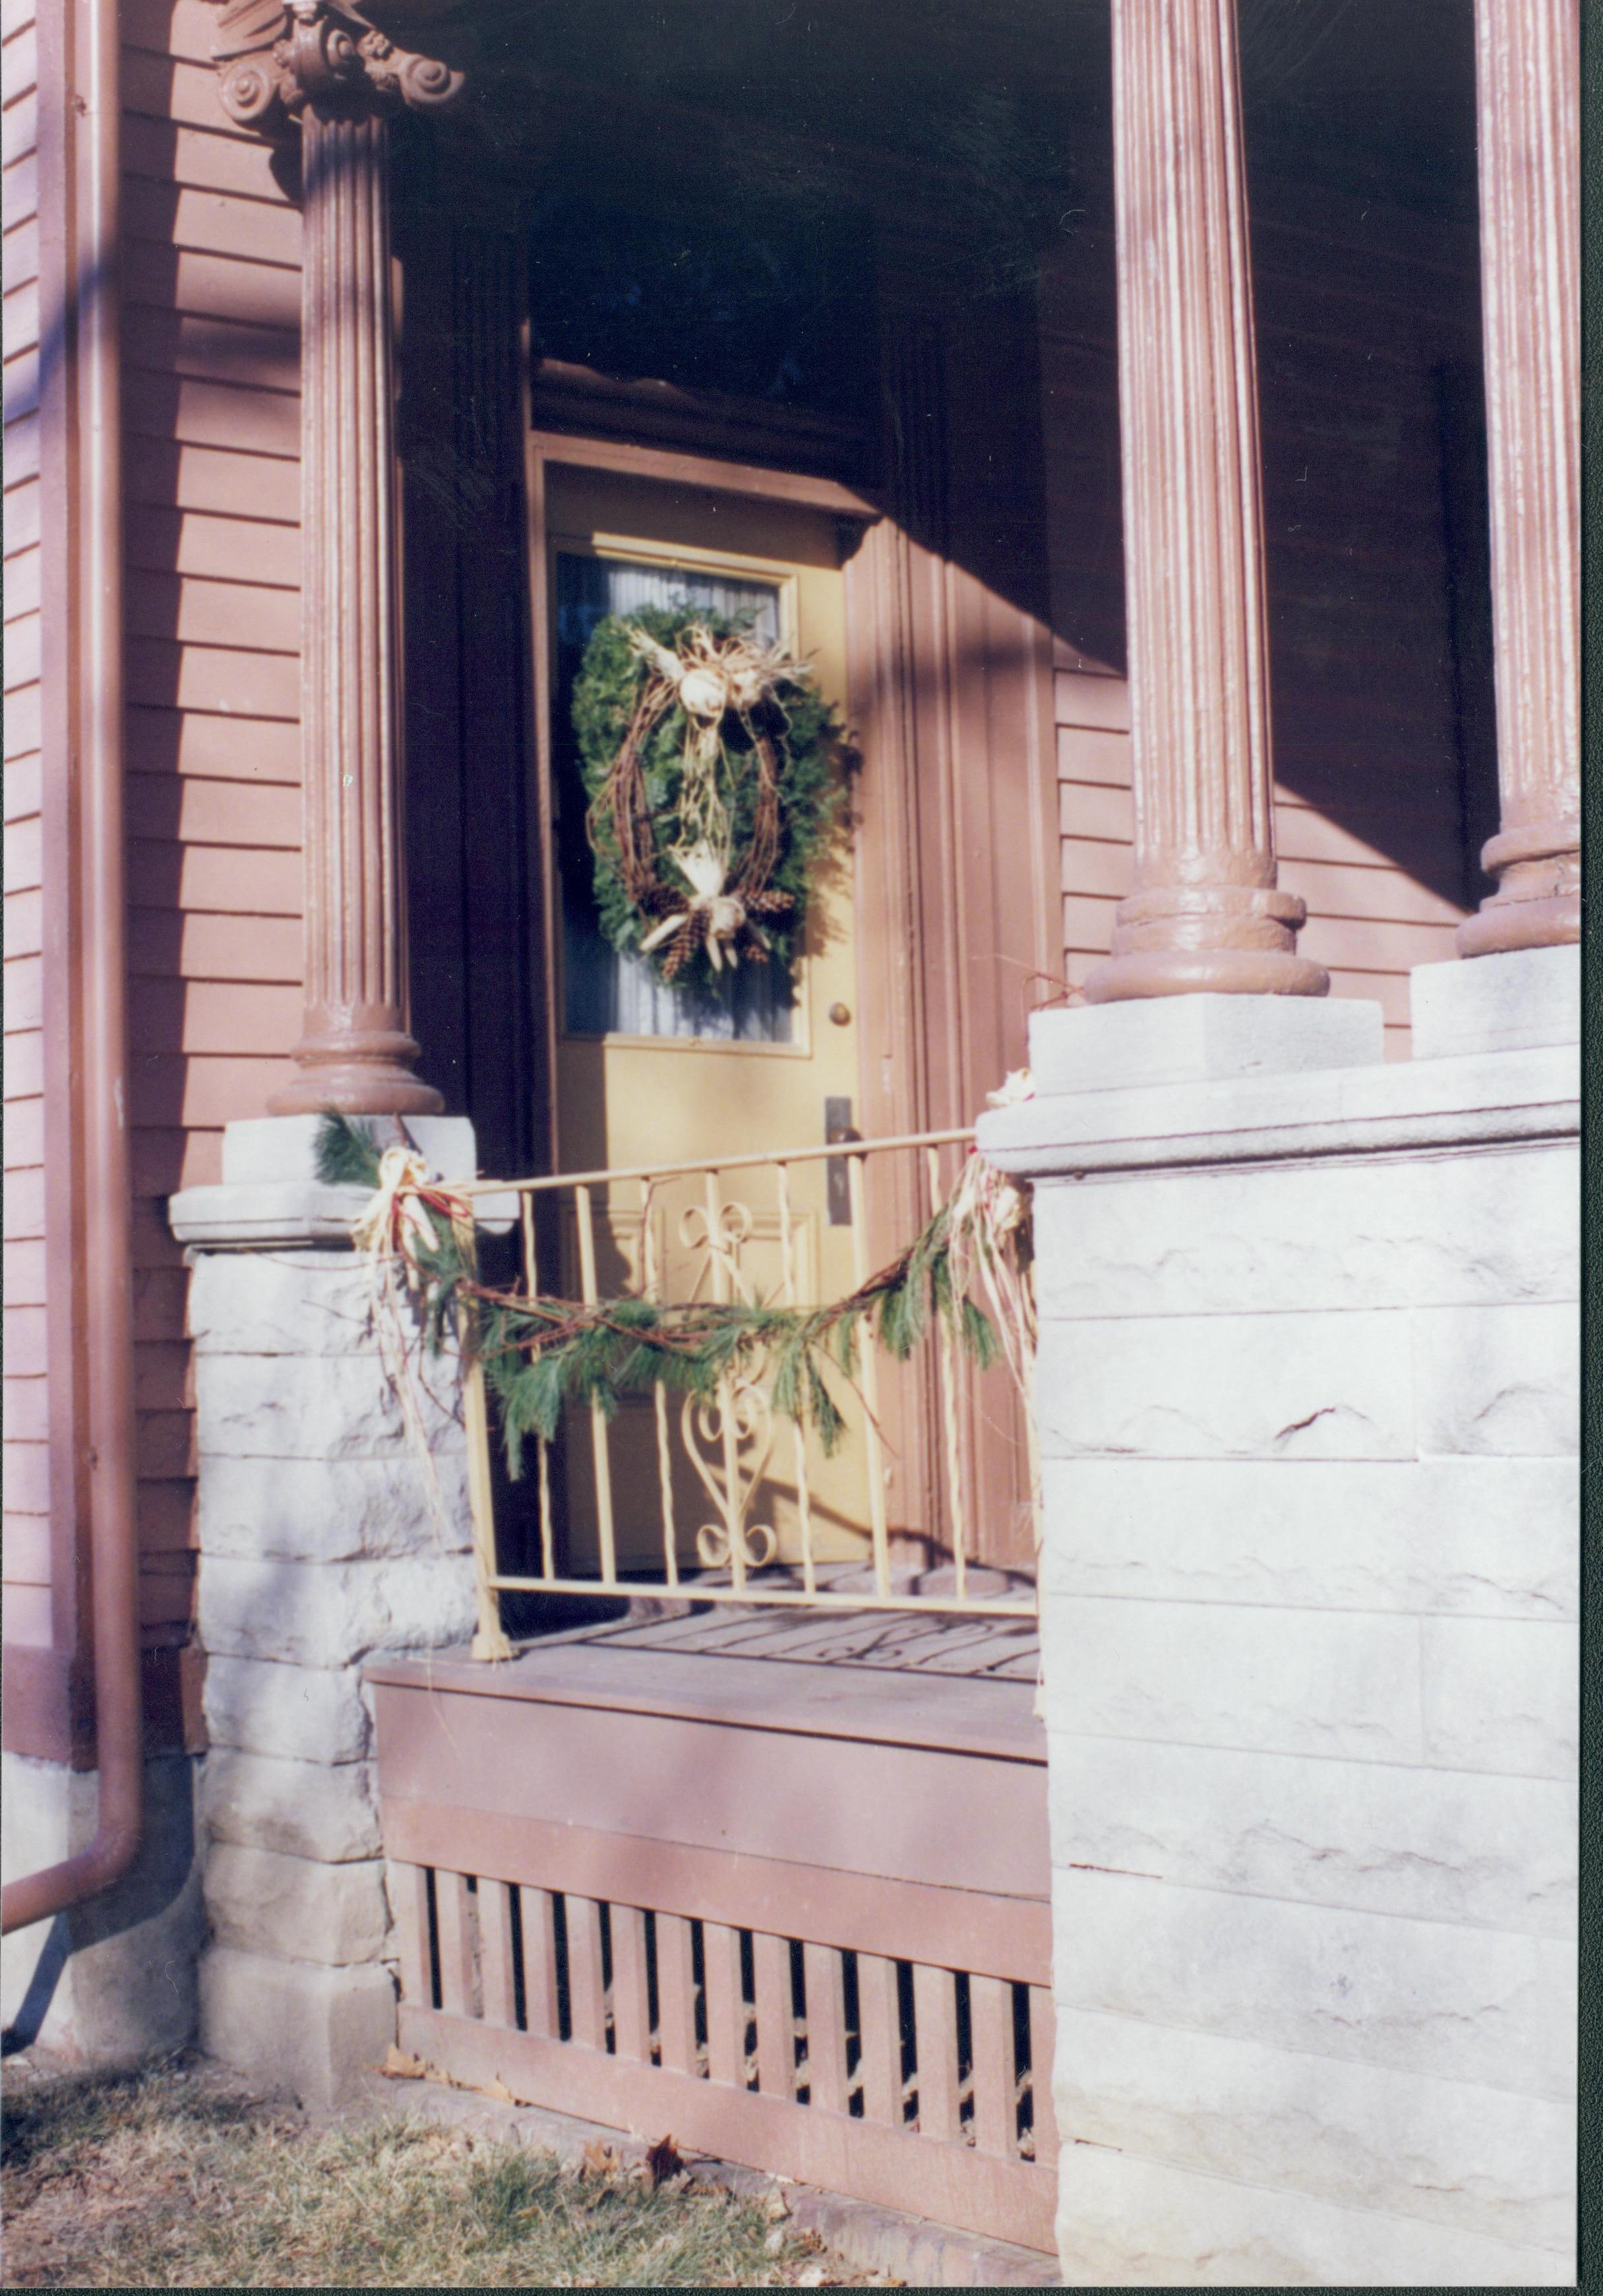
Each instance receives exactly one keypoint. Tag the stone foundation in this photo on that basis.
(1308, 1398)
(320, 1547)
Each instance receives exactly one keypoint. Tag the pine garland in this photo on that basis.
(541, 1354)
(776, 783)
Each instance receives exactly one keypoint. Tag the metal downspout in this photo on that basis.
(113, 1528)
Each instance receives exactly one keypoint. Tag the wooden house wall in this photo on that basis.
(211, 413)
(1368, 328)
(27, 1426)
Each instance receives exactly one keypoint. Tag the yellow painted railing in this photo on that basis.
(665, 1498)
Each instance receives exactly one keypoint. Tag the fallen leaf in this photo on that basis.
(664, 2160)
(400, 2064)
(600, 2160)
(498, 2089)
(776, 2207)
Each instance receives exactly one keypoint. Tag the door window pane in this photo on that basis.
(606, 993)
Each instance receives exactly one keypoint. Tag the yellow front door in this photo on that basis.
(648, 1075)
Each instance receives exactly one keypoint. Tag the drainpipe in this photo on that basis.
(108, 1288)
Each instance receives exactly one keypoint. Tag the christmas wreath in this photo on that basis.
(712, 764)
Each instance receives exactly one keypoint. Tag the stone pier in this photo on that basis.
(1308, 1398)
(320, 1547)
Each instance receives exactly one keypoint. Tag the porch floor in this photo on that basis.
(858, 1675)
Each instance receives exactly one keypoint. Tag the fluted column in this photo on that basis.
(1527, 88)
(1205, 913)
(324, 65)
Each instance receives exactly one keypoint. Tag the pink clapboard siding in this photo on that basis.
(211, 417)
(27, 1423)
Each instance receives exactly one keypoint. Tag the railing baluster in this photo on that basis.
(804, 1496)
(949, 1420)
(869, 1381)
(935, 2026)
(652, 1274)
(776, 2018)
(531, 1284)
(734, 1510)
(600, 1438)
(630, 1996)
(586, 1990)
(489, 1639)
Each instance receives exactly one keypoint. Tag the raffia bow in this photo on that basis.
(397, 1224)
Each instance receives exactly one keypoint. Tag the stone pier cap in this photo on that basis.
(270, 1197)
(1234, 1079)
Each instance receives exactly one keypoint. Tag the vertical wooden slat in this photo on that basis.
(1043, 2049)
(675, 1994)
(935, 2025)
(881, 2031)
(725, 2004)
(991, 2023)
(586, 1990)
(631, 1999)
(826, 2026)
(410, 1887)
(540, 1994)
(497, 1982)
(776, 2023)
(455, 1915)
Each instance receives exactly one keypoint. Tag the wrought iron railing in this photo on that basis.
(615, 1501)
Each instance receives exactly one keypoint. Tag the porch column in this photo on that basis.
(326, 66)
(1205, 914)
(1527, 87)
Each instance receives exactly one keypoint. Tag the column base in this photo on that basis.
(1537, 904)
(360, 1070)
(1220, 940)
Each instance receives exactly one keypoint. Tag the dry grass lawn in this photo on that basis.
(179, 2176)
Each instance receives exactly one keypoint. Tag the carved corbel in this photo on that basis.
(276, 56)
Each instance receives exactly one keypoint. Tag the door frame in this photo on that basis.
(950, 704)
(545, 450)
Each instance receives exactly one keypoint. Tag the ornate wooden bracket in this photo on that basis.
(275, 58)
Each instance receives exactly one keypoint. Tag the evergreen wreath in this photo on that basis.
(713, 767)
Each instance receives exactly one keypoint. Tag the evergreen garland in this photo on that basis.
(805, 741)
(541, 1354)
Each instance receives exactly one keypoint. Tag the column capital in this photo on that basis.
(275, 57)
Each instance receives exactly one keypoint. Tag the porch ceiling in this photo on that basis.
(1005, 102)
